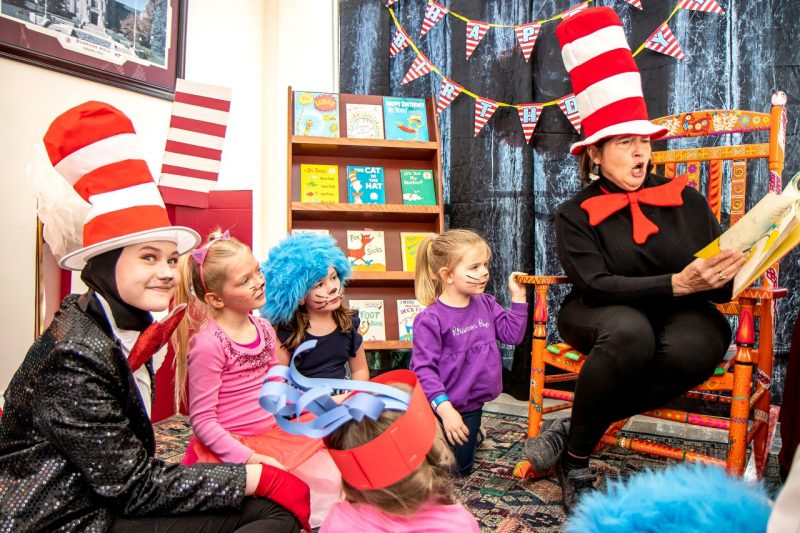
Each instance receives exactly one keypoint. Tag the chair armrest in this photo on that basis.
(541, 280)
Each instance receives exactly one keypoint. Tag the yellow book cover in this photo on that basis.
(319, 184)
(766, 233)
(409, 242)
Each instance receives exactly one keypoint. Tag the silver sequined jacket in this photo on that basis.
(76, 445)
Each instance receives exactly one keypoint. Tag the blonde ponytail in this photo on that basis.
(427, 285)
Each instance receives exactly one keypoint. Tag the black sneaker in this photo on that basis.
(574, 483)
(544, 451)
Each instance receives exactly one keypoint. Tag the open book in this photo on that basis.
(766, 233)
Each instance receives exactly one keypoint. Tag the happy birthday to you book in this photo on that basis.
(766, 233)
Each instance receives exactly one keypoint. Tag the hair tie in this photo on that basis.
(199, 255)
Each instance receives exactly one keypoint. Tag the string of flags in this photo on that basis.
(662, 40)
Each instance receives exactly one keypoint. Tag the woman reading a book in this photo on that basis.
(641, 304)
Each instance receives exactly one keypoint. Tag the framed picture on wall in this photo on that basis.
(132, 44)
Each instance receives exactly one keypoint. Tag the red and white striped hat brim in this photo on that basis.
(605, 78)
(93, 146)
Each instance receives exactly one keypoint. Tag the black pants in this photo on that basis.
(637, 360)
(255, 515)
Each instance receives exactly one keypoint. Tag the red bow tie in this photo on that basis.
(669, 194)
(154, 337)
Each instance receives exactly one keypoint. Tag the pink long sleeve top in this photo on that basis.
(345, 517)
(224, 381)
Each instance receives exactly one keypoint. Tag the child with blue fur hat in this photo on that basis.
(305, 276)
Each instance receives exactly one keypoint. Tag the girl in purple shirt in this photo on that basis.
(455, 353)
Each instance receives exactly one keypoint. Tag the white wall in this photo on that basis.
(256, 47)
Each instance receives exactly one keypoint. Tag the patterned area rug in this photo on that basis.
(501, 502)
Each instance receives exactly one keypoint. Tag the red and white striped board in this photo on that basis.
(526, 35)
(663, 41)
(476, 29)
(484, 109)
(194, 143)
(708, 6)
(433, 14)
(447, 93)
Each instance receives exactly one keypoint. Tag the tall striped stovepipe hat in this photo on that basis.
(93, 146)
(605, 78)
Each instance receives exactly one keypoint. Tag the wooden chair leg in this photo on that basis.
(740, 397)
(536, 398)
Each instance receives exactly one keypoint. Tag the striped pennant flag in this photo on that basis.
(399, 41)
(433, 14)
(447, 93)
(526, 35)
(420, 67)
(390, 2)
(569, 107)
(484, 109)
(709, 6)
(191, 163)
(662, 40)
(635, 3)
(528, 116)
(476, 29)
(573, 10)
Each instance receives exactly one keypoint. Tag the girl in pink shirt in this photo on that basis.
(226, 362)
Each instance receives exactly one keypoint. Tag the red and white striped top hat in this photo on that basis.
(94, 147)
(605, 78)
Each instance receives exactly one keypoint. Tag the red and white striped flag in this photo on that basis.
(476, 29)
(662, 40)
(420, 67)
(433, 14)
(709, 6)
(569, 107)
(573, 10)
(526, 35)
(447, 93)
(635, 3)
(399, 41)
(191, 163)
(484, 109)
(390, 2)
(528, 116)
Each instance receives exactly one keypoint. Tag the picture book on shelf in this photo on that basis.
(366, 250)
(316, 114)
(365, 185)
(373, 319)
(311, 231)
(766, 233)
(319, 183)
(409, 242)
(405, 119)
(418, 187)
(364, 121)
(406, 311)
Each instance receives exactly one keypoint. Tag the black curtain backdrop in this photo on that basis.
(508, 190)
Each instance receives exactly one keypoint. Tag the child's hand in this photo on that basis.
(518, 292)
(257, 458)
(454, 429)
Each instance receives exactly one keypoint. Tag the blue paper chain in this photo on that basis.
(296, 394)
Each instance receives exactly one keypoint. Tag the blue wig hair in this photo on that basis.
(685, 497)
(292, 268)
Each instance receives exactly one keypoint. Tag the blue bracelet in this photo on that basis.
(438, 400)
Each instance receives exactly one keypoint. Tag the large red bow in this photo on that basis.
(154, 337)
(669, 194)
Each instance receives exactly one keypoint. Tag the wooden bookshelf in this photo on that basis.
(392, 218)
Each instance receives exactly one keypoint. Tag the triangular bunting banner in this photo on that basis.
(447, 93)
(635, 3)
(709, 6)
(433, 14)
(475, 32)
(664, 41)
(484, 109)
(569, 107)
(526, 35)
(420, 67)
(390, 2)
(573, 10)
(399, 41)
(528, 115)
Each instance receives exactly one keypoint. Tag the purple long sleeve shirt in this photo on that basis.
(455, 349)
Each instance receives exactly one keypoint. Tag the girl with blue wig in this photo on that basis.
(305, 276)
